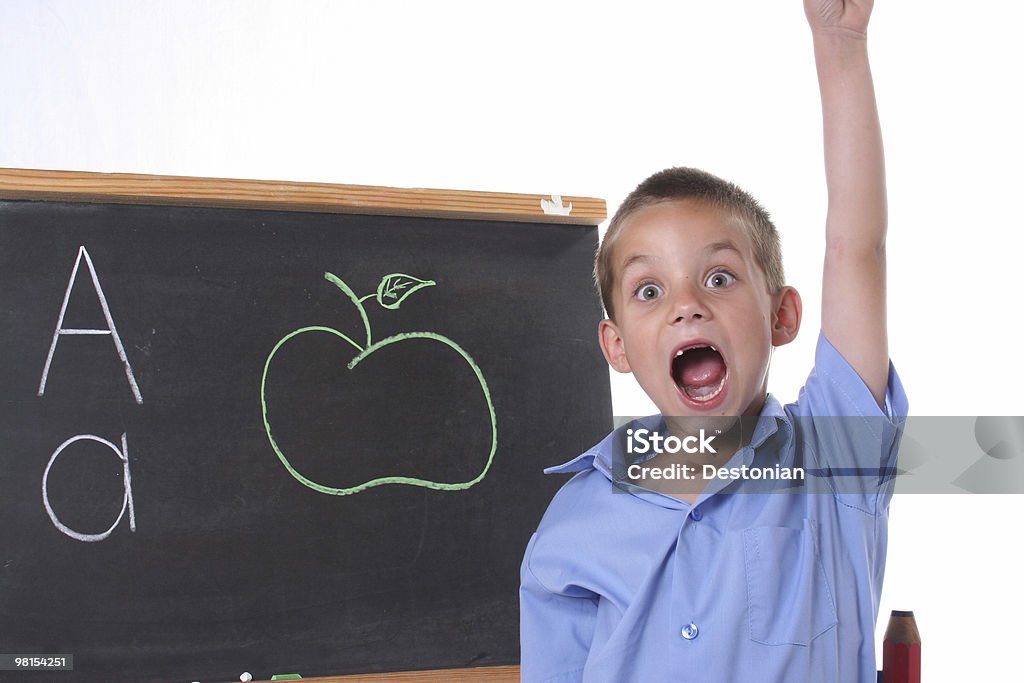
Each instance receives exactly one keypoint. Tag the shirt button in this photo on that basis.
(696, 514)
(690, 631)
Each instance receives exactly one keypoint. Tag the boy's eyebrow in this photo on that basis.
(635, 259)
(714, 247)
(723, 245)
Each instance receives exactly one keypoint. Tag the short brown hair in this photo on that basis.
(691, 183)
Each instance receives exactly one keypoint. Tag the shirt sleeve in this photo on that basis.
(852, 442)
(555, 628)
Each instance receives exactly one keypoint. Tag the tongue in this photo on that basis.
(702, 368)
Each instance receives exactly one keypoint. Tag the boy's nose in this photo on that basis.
(688, 306)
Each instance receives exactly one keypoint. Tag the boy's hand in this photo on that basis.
(846, 15)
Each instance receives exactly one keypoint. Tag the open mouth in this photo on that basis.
(700, 372)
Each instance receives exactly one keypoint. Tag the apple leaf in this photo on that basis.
(394, 288)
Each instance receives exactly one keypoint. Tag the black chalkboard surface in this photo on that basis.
(237, 439)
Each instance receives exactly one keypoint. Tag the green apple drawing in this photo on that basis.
(393, 289)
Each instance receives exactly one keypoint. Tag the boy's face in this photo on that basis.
(695, 322)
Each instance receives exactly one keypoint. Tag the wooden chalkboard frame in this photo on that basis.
(127, 188)
(492, 674)
(124, 188)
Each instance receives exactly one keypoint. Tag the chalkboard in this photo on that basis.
(240, 438)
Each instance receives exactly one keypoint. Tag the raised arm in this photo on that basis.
(853, 316)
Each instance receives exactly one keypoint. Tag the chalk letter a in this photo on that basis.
(110, 329)
(128, 502)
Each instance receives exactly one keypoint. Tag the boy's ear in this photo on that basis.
(612, 345)
(786, 316)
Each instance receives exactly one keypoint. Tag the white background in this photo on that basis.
(583, 98)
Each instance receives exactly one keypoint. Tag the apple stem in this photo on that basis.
(340, 284)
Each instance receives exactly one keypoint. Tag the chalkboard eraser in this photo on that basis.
(285, 677)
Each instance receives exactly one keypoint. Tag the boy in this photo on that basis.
(690, 577)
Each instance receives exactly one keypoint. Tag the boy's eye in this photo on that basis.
(648, 292)
(719, 279)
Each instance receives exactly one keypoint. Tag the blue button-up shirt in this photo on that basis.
(624, 584)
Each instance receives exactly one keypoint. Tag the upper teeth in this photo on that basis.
(681, 351)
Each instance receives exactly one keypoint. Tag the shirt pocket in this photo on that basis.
(789, 601)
